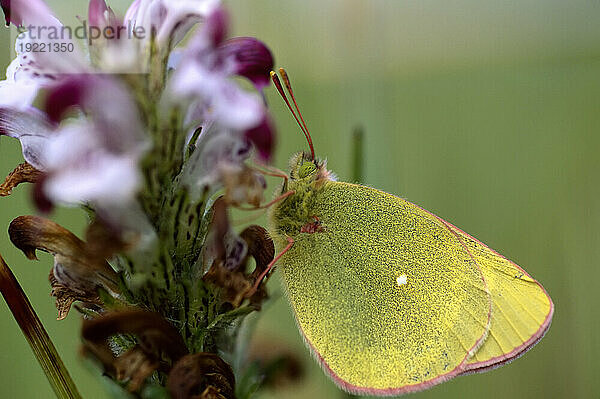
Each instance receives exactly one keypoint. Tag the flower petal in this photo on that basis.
(171, 20)
(217, 149)
(179, 16)
(100, 15)
(235, 283)
(216, 27)
(107, 103)
(203, 77)
(42, 203)
(131, 13)
(249, 57)
(65, 296)
(32, 129)
(263, 138)
(243, 186)
(236, 108)
(61, 97)
(43, 29)
(19, 89)
(94, 159)
(27, 12)
(134, 366)
(223, 101)
(90, 175)
(228, 248)
(32, 70)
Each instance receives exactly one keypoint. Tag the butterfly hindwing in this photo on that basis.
(521, 308)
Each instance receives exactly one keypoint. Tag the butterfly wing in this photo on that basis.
(521, 308)
(387, 296)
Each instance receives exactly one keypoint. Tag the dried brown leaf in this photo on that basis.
(201, 376)
(237, 283)
(135, 366)
(103, 241)
(23, 173)
(243, 186)
(156, 339)
(77, 273)
(65, 297)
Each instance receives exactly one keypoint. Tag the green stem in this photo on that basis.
(357, 155)
(36, 335)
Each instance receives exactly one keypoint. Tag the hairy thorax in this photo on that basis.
(296, 213)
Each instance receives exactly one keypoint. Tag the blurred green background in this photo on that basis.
(484, 112)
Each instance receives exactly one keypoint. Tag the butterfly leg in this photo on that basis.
(260, 278)
(276, 200)
(268, 170)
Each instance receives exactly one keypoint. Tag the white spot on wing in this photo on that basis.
(401, 280)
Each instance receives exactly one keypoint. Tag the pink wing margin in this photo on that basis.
(346, 386)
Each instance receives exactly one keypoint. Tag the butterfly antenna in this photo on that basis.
(288, 86)
(279, 87)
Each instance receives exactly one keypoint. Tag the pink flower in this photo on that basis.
(89, 159)
(203, 74)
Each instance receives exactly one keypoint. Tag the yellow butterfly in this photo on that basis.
(389, 297)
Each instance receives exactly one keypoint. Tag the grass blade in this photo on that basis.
(36, 335)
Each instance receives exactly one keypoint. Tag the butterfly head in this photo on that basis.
(304, 168)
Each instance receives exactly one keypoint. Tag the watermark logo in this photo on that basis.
(83, 32)
(122, 40)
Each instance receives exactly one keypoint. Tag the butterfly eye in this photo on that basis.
(306, 169)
